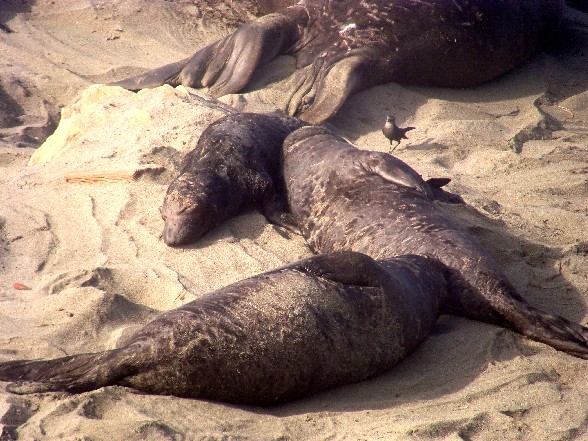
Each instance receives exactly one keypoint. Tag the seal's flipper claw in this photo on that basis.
(333, 84)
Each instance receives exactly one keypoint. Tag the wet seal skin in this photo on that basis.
(345, 46)
(314, 324)
(235, 166)
(341, 202)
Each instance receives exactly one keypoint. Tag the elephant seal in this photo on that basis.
(235, 165)
(341, 203)
(344, 46)
(315, 324)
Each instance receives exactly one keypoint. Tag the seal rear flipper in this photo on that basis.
(347, 267)
(553, 330)
(227, 65)
(252, 46)
(76, 373)
(394, 170)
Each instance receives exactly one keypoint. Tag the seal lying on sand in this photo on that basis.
(318, 323)
(346, 46)
(235, 165)
(340, 204)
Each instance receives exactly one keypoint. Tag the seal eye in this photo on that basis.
(187, 209)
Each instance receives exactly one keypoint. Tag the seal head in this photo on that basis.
(235, 166)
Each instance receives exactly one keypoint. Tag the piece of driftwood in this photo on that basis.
(111, 176)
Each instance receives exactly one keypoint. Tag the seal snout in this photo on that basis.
(175, 233)
(181, 229)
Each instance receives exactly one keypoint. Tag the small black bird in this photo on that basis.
(393, 132)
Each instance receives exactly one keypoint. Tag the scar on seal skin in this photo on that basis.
(340, 204)
(315, 324)
(345, 46)
(235, 166)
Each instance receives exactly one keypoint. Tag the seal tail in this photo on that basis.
(76, 373)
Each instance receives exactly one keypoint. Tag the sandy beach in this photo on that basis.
(82, 265)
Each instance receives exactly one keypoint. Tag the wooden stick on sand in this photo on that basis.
(112, 176)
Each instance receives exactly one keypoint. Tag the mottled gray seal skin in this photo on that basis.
(339, 204)
(315, 324)
(235, 166)
(344, 46)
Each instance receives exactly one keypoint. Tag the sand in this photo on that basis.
(93, 258)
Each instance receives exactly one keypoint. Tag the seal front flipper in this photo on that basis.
(347, 267)
(275, 209)
(394, 170)
(324, 86)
